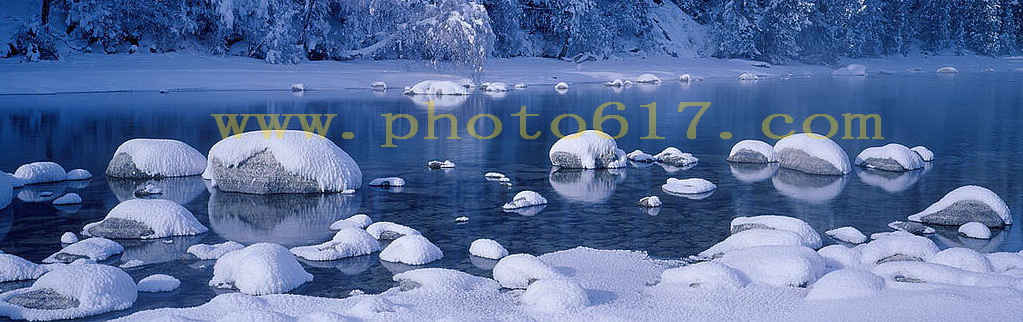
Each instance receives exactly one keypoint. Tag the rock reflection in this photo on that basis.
(182, 190)
(348, 266)
(44, 192)
(753, 172)
(440, 101)
(891, 182)
(286, 219)
(591, 186)
(153, 251)
(808, 187)
(947, 237)
(483, 263)
(527, 211)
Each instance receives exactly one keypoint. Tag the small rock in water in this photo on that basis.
(148, 190)
(387, 182)
(640, 156)
(132, 263)
(79, 174)
(975, 229)
(297, 87)
(446, 164)
(494, 176)
(847, 234)
(462, 219)
(911, 227)
(525, 198)
(68, 199)
(68, 238)
(520, 86)
(651, 201)
(378, 86)
(158, 283)
(487, 248)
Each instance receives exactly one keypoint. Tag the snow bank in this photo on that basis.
(146, 219)
(947, 70)
(525, 198)
(286, 162)
(387, 182)
(158, 283)
(847, 234)
(704, 275)
(215, 251)
(517, 271)
(68, 238)
(68, 199)
(975, 229)
(348, 242)
(436, 87)
(962, 258)
(360, 221)
(69, 292)
(753, 238)
(648, 79)
(155, 158)
(640, 156)
(443, 282)
(850, 70)
(674, 157)
(259, 269)
(966, 204)
(40, 172)
(892, 157)
(810, 237)
(776, 265)
(650, 201)
(688, 186)
(79, 174)
(14, 268)
(589, 149)
(896, 247)
(845, 284)
(812, 154)
(96, 249)
(752, 151)
(555, 295)
(924, 153)
(388, 230)
(412, 250)
(487, 248)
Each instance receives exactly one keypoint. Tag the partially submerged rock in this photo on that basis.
(436, 87)
(847, 234)
(259, 269)
(14, 268)
(892, 157)
(40, 172)
(146, 219)
(812, 154)
(923, 152)
(966, 204)
(911, 227)
(752, 151)
(412, 250)
(348, 242)
(688, 186)
(672, 156)
(525, 198)
(95, 249)
(650, 201)
(386, 230)
(640, 156)
(72, 291)
(155, 158)
(975, 229)
(487, 248)
(589, 149)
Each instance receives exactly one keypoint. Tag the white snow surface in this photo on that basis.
(748, 77)
(259, 269)
(95, 248)
(976, 193)
(908, 159)
(14, 268)
(436, 87)
(348, 242)
(818, 146)
(704, 275)
(975, 229)
(163, 157)
(158, 283)
(809, 236)
(756, 146)
(900, 243)
(640, 156)
(98, 289)
(443, 281)
(315, 158)
(166, 218)
(776, 265)
(845, 284)
(673, 152)
(487, 248)
(68, 238)
(650, 201)
(589, 146)
(387, 182)
(525, 198)
(68, 199)
(517, 271)
(962, 258)
(850, 70)
(688, 186)
(923, 152)
(379, 229)
(648, 79)
(40, 172)
(753, 238)
(412, 250)
(79, 174)
(215, 251)
(360, 221)
(555, 295)
(848, 234)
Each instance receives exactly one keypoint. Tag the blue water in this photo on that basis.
(972, 122)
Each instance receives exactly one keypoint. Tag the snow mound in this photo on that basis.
(360, 221)
(79, 174)
(589, 149)
(68, 238)
(146, 219)
(487, 248)
(705, 275)
(896, 247)
(348, 242)
(561, 86)
(215, 251)
(812, 154)
(436, 164)
(68, 199)
(809, 236)
(158, 283)
(840, 257)
(436, 87)
(922, 272)
(648, 79)
(96, 249)
(845, 284)
(850, 70)
(388, 230)
(748, 77)
(517, 271)
(947, 70)
(924, 153)
(281, 162)
(650, 201)
(688, 186)
(40, 172)
(892, 157)
(847, 234)
(443, 281)
(71, 291)
(1004, 261)
(387, 182)
(525, 198)
(640, 156)
(555, 295)
(752, 151)
(155, 158)
(962, 258)
(776, 265)
(14, 268)
(259, 269)
(966, 204)
(412, 250)
(975, 229)
(753, 238)
(674, 157)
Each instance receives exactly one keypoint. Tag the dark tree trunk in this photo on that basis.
(45, 14)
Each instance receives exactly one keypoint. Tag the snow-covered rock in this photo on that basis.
(155, 158)
(436, 164)
(285, 162)
(259, 269)
(896, 247)
(555, 295)
(923, 152)
(753, 238)
(748, 77)
(847, 234)
(752, 151)
(812, 154)
(617, 82)
(487, 248)
(6, 192)
(71, 291)
(96, 249)
(348, 242)
(146, 219)
(911, 227)
(79, 174)
(378, 86)
(686, 78)
(688, 186)
(850, 70)
(10, 180)
(525, 198)
(68, 199)
(1004, 261)
(589, 149)
(892, 157)
(561, 86)
(412, 250)
(947, 70)
(520, 86)
(215, 251)
(517, 271)
(497, 87)
(495, 176)
(650, 201)
(443, 281)
(640, 156)
(648, 79)
(776, 265)
(386, 230)
(40, 172)
(975, 229)
(14, 268)
(922, 272)
(704, 275)
(360, 221)
(158, 283)
(461, 219)
(845, 284)
(810, 237)
(68, 238)
(387, 182)
(297, 88)
(674, 157)
(436, 87)
(148, 190)
(962, 258)
(840, 257)
(966, 204)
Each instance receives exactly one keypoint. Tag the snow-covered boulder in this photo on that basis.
(896, 247)
(840, 257)
(14, 268)
(748, 77)
(648, 79)
(155, 158)
(947, 70)
(68, 199)
(378, 86)
(387, 182)
(11, 180)
(892, 157)
(215, 251)
(966, 204)
(617, 82)
(561, 86)
(962, 258)
(386, 230)
(975, 229)
(1004, 261)
(497, 87)
(674, 157)
(286, 162)
(297, 88)
(69, 292)
(79, 174)
(259, 269)
(911, 227)
(688, 186)
(753, 238)
(96, 249)
(517, 271)
(436, 87)
(704, 275)
(443, 281)
(494, 176)
(158, 283)
(810, 237)
(487, 248)
(40, 172)
(437, 164)
(555, 295)
(640, 156)
(68, 238)
(348, 242)
(525, 198)
(844, 284)
(924, 153)
(752, 151)
(812, 154)
(412, 250)
(590, 149)
(686, 78)
(776, 265)
(850, 70)
(650, 201)
(360, 221)
(847, 234)
(146, 219)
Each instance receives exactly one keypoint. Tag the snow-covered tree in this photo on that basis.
(781, 25)
(737, 30)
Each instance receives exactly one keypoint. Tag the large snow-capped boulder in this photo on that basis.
(487, 248)
(966, 204)
(259, 269)
(14, 268)
(519, 270)
(898, 246)
(40, 172)
(412, 250)
(923, 152)
(809, 236)
(812, 154)
(704, 275)
(752, 151)
(776, 265)
(286, 162)
(555, 295)
(96, 249)
(348, 242)
(753, 238)
(892, 157)
(436, 87)
(589, 149)
(845, 284)
(155, 158)
(71, 291)
(146, 219)
(962, 258)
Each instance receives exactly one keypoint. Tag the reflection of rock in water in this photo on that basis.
(672, 169)
(181, 190)
(947, 237)
(653, 211)
(753, 172)
(44, 192)
(79, 184)
(586, 185)
(483, 263)
(398, 268)
(693, 196)
(348, 266)
(439, 101)
(151, 251)
(810, 188)
(890, 181)
(6, 222)
(69, 209)
(286, 219)
(527, 211)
